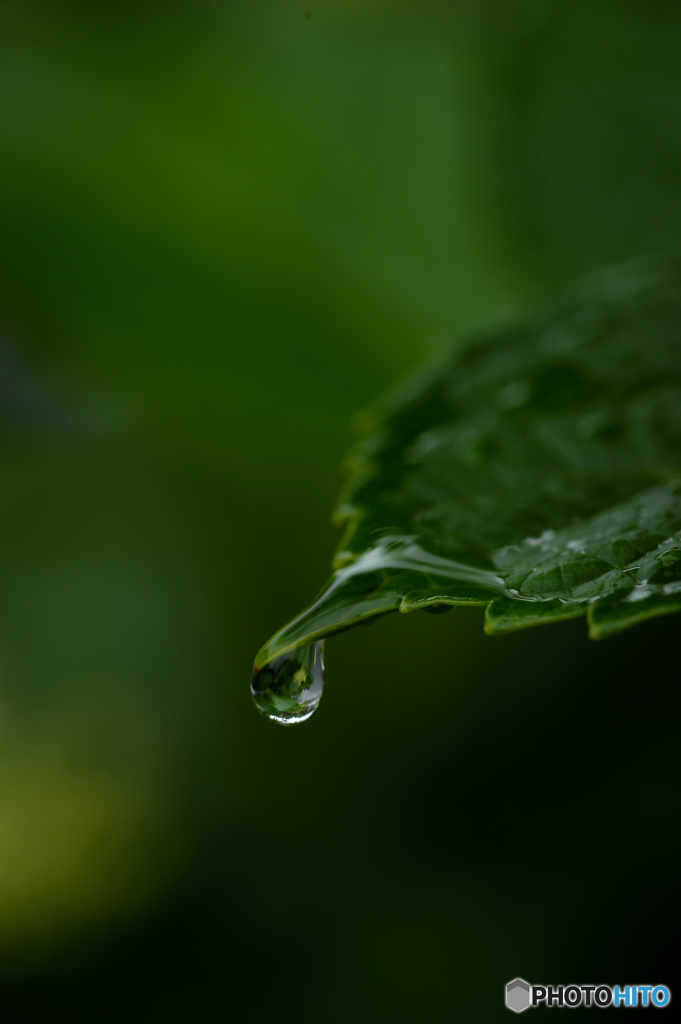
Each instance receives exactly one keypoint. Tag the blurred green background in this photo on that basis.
(225, 227)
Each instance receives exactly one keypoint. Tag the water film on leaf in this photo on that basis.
(536, 472)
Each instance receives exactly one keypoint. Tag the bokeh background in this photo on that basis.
(225, 227)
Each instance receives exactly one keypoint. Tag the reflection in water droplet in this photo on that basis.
(289, 689)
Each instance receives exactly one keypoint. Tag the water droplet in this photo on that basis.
(289, 688)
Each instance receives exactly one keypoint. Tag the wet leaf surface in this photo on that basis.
(536, 472)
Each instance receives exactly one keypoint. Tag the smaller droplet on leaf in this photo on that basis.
(289, 688)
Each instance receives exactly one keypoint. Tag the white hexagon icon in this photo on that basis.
(517, 995)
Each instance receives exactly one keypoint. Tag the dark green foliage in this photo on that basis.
(537, 472)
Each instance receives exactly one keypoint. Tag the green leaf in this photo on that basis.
(537, 472)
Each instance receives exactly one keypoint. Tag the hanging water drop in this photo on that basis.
(289, 688)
